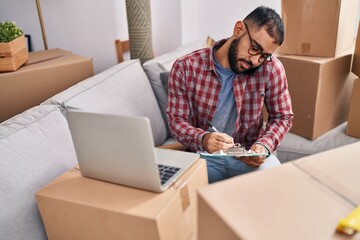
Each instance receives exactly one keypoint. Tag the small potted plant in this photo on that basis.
(13, 50)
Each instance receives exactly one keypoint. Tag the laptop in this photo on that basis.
(120, 149)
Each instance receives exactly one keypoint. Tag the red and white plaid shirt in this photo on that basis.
(193, 96)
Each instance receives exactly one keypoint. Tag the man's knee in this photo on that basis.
(271, 161)
(216, 170)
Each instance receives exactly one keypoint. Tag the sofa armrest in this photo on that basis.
(174, 146)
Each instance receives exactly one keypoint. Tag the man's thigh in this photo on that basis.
(238, 167)
(223, 168)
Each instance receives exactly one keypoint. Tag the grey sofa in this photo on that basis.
(35, 148)
(294, 147)
(36, 145)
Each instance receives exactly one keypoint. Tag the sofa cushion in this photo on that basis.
(164, 77)
(293, 146)
(123, 89)
(35, 148)
(154, 67)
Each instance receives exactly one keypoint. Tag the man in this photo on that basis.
(227, 86)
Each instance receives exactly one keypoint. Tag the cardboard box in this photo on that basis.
(45, 74)
(76, 207)
(356, 59)
(337, 169)
(293, 201)
(13, 54)
(320, 89)
(353, 125)
(324, 28)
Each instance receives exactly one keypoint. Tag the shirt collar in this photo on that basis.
(213, 48)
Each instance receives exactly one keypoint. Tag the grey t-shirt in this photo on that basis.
(225, 114)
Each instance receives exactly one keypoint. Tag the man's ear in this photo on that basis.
(239, 28)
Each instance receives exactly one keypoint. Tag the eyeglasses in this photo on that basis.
(255, 49)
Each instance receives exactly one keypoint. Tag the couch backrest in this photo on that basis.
(35, 147)
(123, 89)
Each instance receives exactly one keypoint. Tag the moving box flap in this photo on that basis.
(41, 56)
(338, 169)
(278, 203)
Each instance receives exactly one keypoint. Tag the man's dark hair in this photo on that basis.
(265, 16)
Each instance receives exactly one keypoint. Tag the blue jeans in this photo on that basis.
(223, 168)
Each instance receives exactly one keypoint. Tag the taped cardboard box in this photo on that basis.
(338, 169)
(353, 125)
(356, 60)
(324, 28)
(320, 90)
(45, 74)
(76, 207)
(286, 202)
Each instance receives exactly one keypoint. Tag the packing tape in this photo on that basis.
(184, 193)
(185, 198)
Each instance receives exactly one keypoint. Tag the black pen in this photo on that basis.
(212, 127)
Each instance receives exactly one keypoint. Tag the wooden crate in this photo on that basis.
(13, 54)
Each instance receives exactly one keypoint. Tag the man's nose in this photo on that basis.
(254, 59)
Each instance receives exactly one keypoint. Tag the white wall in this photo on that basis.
(166, 25)
(85, 27)
(220, 16)
(24, 13)
(90, 27)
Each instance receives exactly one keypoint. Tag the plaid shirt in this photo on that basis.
(193, 96)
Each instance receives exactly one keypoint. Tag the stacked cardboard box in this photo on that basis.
(76, 207)
(303, 199)
(317, 54)
(356, 61)
(320, 89)
(353, 126)
(320, 28)
(45, 74)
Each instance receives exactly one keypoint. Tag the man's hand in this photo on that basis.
(257, 160)
(217, 141)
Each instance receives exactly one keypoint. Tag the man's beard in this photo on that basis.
(234, 61)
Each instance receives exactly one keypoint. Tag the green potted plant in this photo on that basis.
(9, 31)
(13, 50)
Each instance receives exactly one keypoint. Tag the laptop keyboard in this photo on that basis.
(166, 172)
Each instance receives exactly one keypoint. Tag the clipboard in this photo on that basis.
(236, 151)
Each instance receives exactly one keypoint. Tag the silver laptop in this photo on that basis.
(120, 149)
